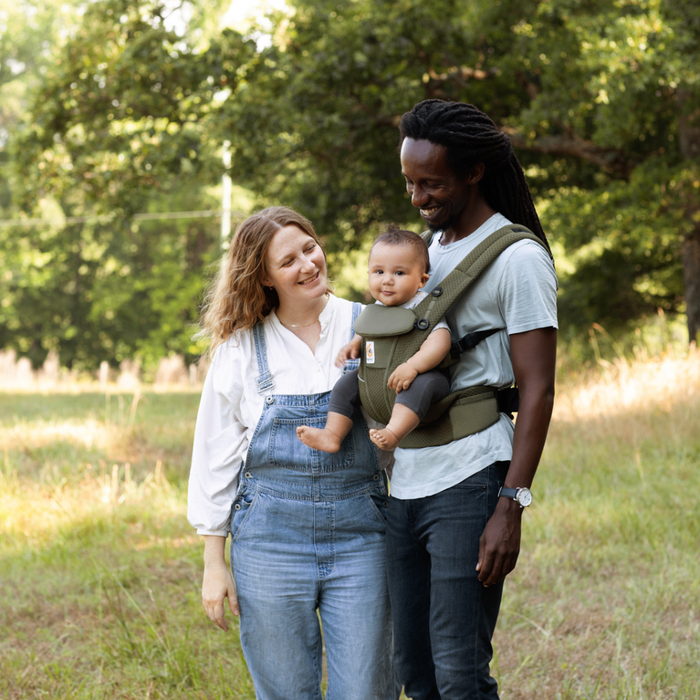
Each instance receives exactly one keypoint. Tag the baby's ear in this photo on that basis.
(424, 280)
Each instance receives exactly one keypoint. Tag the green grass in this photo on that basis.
(605, 602)
(100, 572)
(100, 594)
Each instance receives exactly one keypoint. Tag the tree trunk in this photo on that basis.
(689, 137)
(690, 256)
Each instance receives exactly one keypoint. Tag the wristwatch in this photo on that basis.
(522, 495)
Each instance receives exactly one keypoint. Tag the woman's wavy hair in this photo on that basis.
(237, 299)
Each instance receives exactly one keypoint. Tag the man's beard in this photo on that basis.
(448, 223)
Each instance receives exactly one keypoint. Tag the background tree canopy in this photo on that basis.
(125, 110)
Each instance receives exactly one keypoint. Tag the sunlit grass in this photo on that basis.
(605, 601)
(100, 572)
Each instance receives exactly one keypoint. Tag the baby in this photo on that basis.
(398, 268)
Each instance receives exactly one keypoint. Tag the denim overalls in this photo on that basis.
(307, 535)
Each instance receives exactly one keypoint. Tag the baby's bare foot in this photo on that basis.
(384, 439)
(319, 439)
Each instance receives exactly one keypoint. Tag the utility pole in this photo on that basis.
(226, 198)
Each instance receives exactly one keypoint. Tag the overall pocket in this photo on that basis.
(288, 451)
(242, 506)
(380, 506)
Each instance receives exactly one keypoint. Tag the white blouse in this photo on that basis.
(231, 407)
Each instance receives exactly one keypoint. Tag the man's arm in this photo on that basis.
(533, 355)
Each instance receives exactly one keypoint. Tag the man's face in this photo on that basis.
(440, 195)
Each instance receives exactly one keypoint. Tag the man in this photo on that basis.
(451, 538)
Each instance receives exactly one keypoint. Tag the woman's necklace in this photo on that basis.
(302, 325)
(296, 325)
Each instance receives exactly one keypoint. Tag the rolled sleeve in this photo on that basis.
(220, 443)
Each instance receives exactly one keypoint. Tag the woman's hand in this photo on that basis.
(217, 582)
(351, 351)
(402, 377)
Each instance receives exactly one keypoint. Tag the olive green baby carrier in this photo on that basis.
(391, 335)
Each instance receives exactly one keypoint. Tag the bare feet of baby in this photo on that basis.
(319, 439)
(384, 439)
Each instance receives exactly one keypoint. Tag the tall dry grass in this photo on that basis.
(605, 602)
(99, 570)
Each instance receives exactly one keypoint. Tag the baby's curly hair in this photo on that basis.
(398, 236)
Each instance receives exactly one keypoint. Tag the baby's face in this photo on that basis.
(395, 274)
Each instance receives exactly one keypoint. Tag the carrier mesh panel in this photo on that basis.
(375, 395)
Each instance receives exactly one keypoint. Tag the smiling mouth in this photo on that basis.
(311, 280)
(429, 211)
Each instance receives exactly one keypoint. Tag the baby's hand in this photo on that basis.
(351, 351)
(402, 377)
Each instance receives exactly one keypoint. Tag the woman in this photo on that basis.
(307, 527)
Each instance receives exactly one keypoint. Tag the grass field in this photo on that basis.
(100, 571)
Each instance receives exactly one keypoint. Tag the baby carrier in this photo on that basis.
(391, 335)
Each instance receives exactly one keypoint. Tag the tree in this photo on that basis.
(615, 84)
(114, 132)
(600, 100)
(314, 118)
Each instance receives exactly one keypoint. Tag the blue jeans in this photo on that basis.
(444, 618)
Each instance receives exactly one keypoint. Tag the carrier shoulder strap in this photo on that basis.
(469, 268)
(467, 271)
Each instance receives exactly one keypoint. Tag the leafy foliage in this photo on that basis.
(600, 100)
(114, 132)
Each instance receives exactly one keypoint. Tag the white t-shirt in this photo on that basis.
(517, 292)
(230, 407)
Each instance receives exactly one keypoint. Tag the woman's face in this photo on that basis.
(295, 267)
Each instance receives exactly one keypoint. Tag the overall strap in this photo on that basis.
(264, 379)
(356, 310)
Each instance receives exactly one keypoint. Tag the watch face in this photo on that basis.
(524, 497)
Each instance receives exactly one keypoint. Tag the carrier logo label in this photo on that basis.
(369, 352)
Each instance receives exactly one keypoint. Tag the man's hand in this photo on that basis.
(499, 545)
(402, 377)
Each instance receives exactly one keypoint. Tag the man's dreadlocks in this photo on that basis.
(470, 137)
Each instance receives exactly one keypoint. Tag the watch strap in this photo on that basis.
(508, 493)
